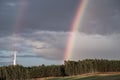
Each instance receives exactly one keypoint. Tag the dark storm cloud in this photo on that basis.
(54, 15)
(38, 15)
(7, 16)
(101, 17)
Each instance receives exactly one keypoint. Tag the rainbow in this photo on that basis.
(19, 20)
(74, 29)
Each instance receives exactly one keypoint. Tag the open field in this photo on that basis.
(96, 76)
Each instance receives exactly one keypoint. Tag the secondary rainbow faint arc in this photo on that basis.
(74, 29)
(19, 20)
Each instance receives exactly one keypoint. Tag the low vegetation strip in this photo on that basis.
(108, 76)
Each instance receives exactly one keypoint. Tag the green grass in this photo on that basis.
(90, 77)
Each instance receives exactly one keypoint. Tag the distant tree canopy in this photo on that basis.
(69, 68)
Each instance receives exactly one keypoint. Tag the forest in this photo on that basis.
(69, 68)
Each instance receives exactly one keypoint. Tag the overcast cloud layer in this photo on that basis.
(42, 28)
(48, 43)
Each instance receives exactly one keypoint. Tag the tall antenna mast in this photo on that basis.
(14, 49)
(14, 58)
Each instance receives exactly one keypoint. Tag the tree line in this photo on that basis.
(69, 68)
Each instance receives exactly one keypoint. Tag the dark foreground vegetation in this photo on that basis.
(69, 68)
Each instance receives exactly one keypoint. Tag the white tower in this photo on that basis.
(14, 58)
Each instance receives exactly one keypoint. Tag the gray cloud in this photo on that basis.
(86, 46)
(101, 17)
(51, 45)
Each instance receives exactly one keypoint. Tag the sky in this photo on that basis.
(39, 29)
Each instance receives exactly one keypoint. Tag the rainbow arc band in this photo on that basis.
(74, 29)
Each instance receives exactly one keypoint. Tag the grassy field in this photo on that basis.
(97, 76)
